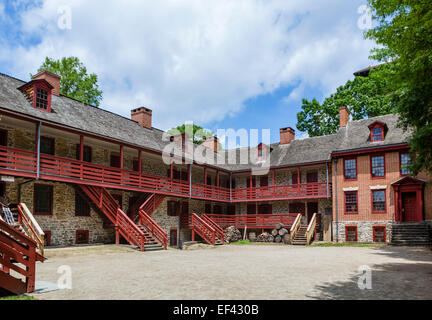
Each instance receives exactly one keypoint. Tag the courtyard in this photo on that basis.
(269, 272)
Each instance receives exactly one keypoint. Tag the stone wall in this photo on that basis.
(364, 230)
(63, 223)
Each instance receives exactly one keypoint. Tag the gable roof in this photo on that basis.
(74, 114)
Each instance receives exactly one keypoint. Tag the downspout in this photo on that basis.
(38, 150)
(336, 200)
(190, 181)
(327, 172)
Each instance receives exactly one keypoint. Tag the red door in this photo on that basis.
(312, 207)
(409, 207)
(173, 237)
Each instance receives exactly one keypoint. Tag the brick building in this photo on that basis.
(91, 176)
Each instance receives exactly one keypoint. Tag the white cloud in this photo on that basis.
(197, 60)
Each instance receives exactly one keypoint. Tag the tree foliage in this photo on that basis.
(198, 133)
(364, 96)
(404, 36)
(76, 83)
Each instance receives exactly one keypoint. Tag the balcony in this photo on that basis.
(16, 162)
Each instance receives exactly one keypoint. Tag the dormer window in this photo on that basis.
(262, 154)
(38, 92)
(41, 99)
(377, 131)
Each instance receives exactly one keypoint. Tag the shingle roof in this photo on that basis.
(72, 113)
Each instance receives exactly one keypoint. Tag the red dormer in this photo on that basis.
(40, 90)
(377, 131)
(262, 152)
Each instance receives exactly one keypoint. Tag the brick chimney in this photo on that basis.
(52, 79)
(287, 135)
(211, 143)
(143, 116)
(343, 116)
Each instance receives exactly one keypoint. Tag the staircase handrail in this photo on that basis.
(153, 228)
(31, 226)
(295, 227)
(220, 233)
(198, 224)
(311, 229)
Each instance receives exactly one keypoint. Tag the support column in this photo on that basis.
(81, 154)
(139, 161)
(205, 176)
(190, 180)
(121, 156)
(37, 144)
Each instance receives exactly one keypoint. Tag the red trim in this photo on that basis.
(82, 232)
(384, 163)
(356, 168)
(346, 233)
(345, 202)
(377, 125)
(356, 152)
(374, 228)
(42, 86)
(385, 201)
(51, 200)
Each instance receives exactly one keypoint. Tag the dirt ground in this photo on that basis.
(240, 272)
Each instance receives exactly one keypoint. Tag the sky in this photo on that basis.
(219, 63)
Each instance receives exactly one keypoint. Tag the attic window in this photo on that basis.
(41, 99)
(261, 153)
(377, 130)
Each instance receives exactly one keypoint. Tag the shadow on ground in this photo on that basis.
(408, 278)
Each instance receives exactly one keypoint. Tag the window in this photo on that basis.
(377, 134)
(82, 207)
(82, 237)
(350, 169)
(379, 234)
(263, 181)
(47, 145)
(378, 166)
(294, 178)
(42, 99)
(207, 208)
(173, 208)
(351, 234)
(351, 206)
(135, 165)
(43, 199)
(115, 161)
(379, 201)
(87, 153)
(217, 209)
(262, 155)
(405, 163)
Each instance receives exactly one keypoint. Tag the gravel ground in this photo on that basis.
(240, 272)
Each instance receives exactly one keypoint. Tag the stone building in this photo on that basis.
(92, 176)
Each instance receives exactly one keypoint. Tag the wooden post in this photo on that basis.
(171, 174)
(121, 156)
(37, 143)
(139, 161)
(81, 155)
(205, 176)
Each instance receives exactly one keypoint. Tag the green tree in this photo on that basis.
(364, 96)
(198, 133)
(76, 83)
(404, 36)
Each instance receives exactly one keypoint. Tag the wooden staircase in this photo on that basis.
(300, 237)
(18, 252)
(208, 230)
(124, 226)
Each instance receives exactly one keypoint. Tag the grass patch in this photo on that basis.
(21, 298)
(241, 242)
(346, 244)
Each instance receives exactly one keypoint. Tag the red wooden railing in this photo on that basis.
(31, 226)
(152, 203)
(252, 220)
(149, 224)
(17, 253)
(109, 206)
(24, 163)
(219, 231)
(298, 191)
(206, 231)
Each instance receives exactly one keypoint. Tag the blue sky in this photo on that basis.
(223, 64)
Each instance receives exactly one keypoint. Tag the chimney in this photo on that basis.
(143, 116)
(343, 116)
(287, 135)
(51, 78)
(211, 143)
